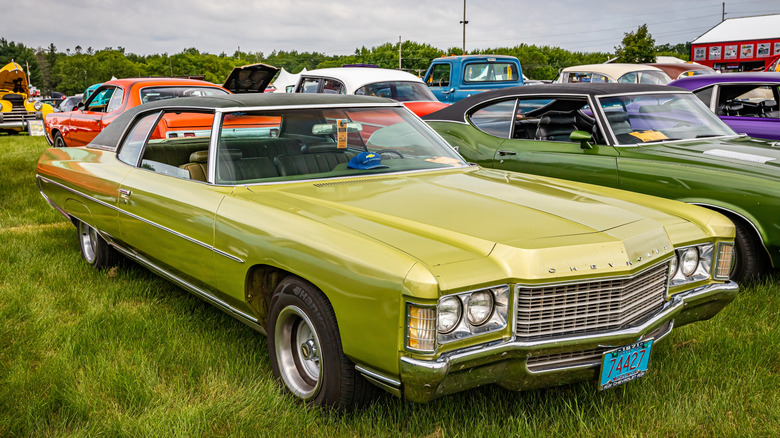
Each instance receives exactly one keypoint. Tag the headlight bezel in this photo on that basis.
(496, 320)
(702, 270)
(38, 105)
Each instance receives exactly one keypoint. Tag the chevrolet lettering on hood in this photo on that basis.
(370, 253)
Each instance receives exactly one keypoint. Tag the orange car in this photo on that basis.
(79, 127)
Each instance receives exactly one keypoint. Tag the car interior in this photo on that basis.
(748, 100)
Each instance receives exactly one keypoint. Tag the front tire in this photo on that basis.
(749, 253)
(305, 348)
(94, 249)
(59, 141)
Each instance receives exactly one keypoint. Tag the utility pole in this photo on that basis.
(399, 52)
(464, 26)
(723, 13)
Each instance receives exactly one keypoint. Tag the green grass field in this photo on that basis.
(121, 352)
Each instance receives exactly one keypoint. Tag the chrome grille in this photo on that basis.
(19, 115)
(592, 306)
(566, 360)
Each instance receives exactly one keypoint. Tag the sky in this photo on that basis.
(338, 27)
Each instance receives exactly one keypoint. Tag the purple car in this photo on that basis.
(747, 102)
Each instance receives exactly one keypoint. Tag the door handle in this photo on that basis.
(124, 194)
(502, 153)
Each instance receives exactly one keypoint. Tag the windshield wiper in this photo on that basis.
(660, 141)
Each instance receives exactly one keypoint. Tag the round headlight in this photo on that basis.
(449, 310)
(38, 105)
(480, 307)
(673, 265)
(689, 261)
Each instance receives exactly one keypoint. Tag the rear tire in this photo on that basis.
(94, 249)
(305, 348)
(59, 142)
(749, 254)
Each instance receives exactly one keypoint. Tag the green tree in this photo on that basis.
(682, 50)
(23, 56)
(637, 47)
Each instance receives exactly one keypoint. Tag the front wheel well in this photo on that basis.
(261, 282)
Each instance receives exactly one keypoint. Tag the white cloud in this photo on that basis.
(339, 27)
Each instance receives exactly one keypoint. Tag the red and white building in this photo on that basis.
(739, 44)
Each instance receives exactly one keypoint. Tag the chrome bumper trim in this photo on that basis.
(422, 378)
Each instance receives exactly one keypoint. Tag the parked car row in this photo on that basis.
(518, 237)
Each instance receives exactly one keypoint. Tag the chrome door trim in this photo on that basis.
(154, 224)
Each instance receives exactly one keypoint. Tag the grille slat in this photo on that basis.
(592, 306)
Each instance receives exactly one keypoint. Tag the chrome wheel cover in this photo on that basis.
(88, 240)
(297, 347)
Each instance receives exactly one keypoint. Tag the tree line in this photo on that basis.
(72, 71)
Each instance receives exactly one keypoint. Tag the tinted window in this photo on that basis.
(130, 148)
(495, 119)
(705, 95)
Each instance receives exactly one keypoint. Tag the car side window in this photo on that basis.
(332, 86)
(116, 100)
(747, 100)
(184, 156)
(99, 101)
(705, 95)
(440, 76)
(130, 149)
(309, 85)
(495, 119)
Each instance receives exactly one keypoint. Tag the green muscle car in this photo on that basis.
(370, 253)
(651, 139)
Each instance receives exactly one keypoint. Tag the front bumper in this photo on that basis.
(20, 126)
(506, 363)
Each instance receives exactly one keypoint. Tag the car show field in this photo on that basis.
(123, 352)
(539, 231)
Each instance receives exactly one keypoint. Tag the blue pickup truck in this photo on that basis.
(452, 78)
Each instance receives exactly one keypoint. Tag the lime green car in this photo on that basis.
(371, 254)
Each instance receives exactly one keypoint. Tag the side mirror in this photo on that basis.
(583, 138)
(78, 106)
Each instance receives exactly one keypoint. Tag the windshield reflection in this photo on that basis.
(660, 117)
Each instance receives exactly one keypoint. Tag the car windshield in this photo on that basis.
(151, 94)
(302, 144)
(399, 90)
(658, 117)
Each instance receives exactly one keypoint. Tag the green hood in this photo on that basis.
(743, 154)
(446, 218)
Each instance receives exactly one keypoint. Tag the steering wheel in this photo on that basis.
(389, 151)
(683, 124)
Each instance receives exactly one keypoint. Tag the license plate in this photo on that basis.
(624, 364)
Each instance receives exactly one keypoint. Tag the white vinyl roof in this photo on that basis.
(761, 27)
(356, 77)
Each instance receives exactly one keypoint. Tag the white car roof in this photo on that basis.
(356, 77)
(612, 70)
